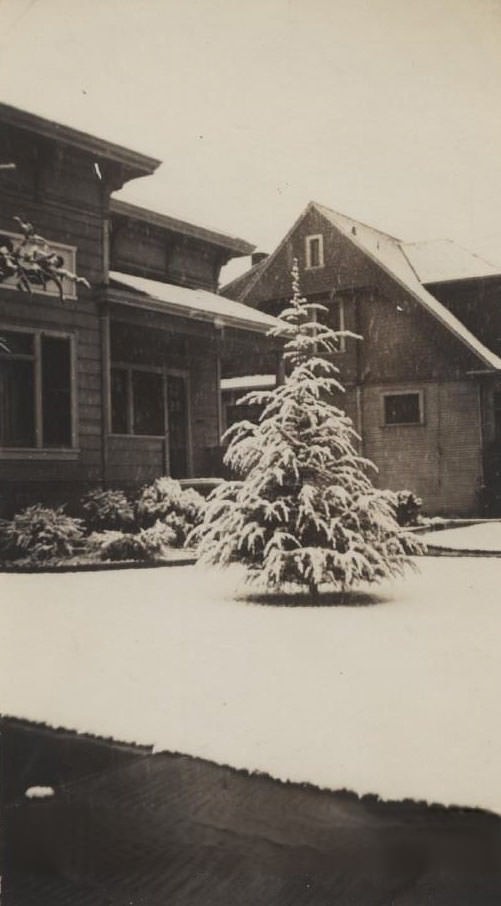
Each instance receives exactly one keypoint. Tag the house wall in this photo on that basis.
(439, 460)
(402, 346)
(477, 303)
(145, 250)
(58, 191)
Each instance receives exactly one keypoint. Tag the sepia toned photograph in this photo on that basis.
(250, 453)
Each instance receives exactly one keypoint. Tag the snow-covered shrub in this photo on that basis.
(107, 510)
(42, 533)
(115, 545)
(305, 510)
(148, 544)
(165, 500)
(408, 507)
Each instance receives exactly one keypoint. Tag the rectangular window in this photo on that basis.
(314, 251)
(35, 390)
(403, 408)
(142, 400)
(67, 254)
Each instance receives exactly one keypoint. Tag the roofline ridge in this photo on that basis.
(437, 310)
(362, 223)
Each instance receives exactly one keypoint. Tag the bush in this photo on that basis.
(166, 501)
(107, 510)
(41, 533)
(407, 508)
(148, 544)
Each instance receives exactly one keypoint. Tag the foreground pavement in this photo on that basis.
(130, 828)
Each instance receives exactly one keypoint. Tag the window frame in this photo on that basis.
(164, 372)
(39, 450)
(69, 264)
(400, 392)
(308, 241)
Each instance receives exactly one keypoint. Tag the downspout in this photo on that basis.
(104, 331)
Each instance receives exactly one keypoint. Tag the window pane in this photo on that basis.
(119, 401)
(56, 392)
(176, 402)
(314, 245)
(148, 403)
(402, 409)
(16, 342)
(17, 403)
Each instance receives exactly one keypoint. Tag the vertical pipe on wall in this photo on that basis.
(104, 325)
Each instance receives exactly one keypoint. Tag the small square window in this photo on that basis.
(403, 408)
(314, 251)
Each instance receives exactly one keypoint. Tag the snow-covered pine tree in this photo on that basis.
(305, 510)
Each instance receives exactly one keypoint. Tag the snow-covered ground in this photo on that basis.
(401, 698)
(484, 536)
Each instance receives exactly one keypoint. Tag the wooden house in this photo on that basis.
(116, 384)
(423, 385)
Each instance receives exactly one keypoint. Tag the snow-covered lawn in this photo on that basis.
(485, 536)
(401, 698)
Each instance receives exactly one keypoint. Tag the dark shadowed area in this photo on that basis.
(126, 826)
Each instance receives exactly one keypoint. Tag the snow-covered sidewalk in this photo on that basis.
(483, 537)
(400, 698)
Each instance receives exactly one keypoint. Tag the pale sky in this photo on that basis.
(386, 110)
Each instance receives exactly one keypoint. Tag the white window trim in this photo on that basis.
(67, 252)
(39, 451)
(309, 266)
(401, 392)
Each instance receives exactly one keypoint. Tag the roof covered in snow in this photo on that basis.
(199, 304)
(390, 254)
(236, 287)
(394, 257)
(249, 382)
(441, 260)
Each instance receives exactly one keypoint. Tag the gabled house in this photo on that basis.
(116, 384)
(423, 385)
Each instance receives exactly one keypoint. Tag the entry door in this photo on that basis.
(177, 413)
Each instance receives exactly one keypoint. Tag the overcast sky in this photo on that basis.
(386, 110)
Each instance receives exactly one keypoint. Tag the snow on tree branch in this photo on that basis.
(32, 263)
(305, 510)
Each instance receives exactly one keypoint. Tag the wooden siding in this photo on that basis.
(138, 248)
(441, 459)
(133, 461)
(59, 191)
(345, 266)
(477, 303)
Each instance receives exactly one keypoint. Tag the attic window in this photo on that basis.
(314, 251)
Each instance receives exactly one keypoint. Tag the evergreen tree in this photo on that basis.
(305, 510)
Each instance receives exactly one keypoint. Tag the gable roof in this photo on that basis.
(390, 255)
(198, 304)
(238, 286)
